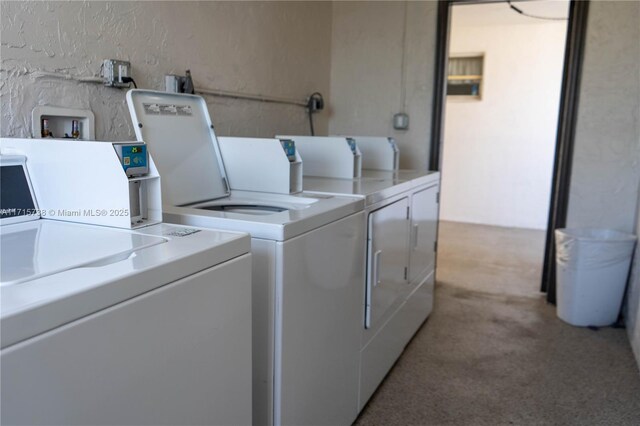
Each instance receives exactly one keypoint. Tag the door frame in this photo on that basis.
(567, 119)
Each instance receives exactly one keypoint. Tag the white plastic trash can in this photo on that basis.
(592, 267)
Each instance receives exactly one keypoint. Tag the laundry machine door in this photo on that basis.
(387, 261)
(424, 226)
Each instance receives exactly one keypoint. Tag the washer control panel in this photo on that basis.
(134, 158)
(352, 145)
(289, 147)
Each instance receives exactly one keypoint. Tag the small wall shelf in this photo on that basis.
(60, 121)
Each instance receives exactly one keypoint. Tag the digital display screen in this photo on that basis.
(15, 196)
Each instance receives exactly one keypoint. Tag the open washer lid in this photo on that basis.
(181, 138)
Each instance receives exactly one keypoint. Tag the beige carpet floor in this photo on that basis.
(493, 351)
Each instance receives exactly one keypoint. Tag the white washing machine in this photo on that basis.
(308, 264)
(402, 214)
(109, 326)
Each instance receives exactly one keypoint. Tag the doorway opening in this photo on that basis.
(507, 77)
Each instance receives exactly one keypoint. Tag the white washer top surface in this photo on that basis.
(45, 247)
(269, 216)
(418, 177)
(54, 272)
(372, 190)
(374, 185)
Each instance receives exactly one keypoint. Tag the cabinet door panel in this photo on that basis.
(318, 324)
(179, 354)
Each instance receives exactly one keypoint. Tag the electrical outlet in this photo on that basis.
(315, 102)
(173, 83)
(179, 83)
(401, 121)
(113, 72)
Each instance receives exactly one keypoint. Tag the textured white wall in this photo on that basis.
(366, 72)
(606, 162)
(498, 152)
(272, 48)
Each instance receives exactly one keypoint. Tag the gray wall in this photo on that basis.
(606, 168)
(366, 72)
(273, 48)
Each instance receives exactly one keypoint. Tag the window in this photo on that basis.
(465, 76)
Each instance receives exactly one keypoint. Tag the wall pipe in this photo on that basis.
(248, 96)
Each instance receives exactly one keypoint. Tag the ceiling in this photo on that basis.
(500, 13)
